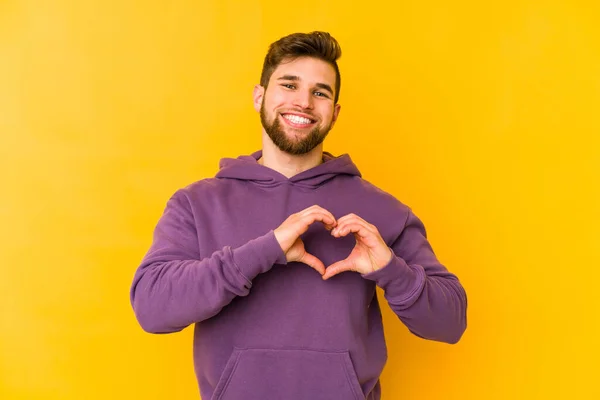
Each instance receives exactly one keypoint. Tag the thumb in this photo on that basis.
(337, 267)
(313, 262)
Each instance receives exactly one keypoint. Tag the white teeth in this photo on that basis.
(296, 119)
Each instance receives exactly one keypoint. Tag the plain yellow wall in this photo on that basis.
(482, 116)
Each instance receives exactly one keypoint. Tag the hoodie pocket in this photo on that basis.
(265, 374)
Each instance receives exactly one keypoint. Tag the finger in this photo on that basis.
(313, 262)
(317, 208)
(327, 220)
(350, 217)
(300, 223)
(347, 216)
(354, 219)
(313, 209)
(319, 215)
(338, 267)
(361, 229)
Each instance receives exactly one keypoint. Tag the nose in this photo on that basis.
(303, 99)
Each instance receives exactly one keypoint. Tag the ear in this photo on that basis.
(257, 96)
(336, 113)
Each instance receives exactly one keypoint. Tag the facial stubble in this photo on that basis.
(295, 145)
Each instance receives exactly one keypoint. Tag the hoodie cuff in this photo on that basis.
(258, 256)
(398, 279)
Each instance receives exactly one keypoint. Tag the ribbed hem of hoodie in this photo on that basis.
(258, 256)
(399, 280)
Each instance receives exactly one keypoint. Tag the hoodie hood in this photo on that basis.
(247, 168)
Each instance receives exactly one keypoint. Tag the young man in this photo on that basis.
(276, 259)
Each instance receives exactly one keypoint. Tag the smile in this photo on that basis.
(296, 120)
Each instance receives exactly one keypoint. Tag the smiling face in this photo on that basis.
(297, 109)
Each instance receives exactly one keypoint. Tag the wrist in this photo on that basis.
(279, 239)
(385, 259)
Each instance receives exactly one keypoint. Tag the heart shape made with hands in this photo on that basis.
(369, 254)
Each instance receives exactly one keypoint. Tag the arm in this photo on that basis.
(427, 298)
(173, 287)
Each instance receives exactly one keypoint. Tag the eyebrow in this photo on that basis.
(297, 78)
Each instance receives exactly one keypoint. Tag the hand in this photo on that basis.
(288, 235)
(370, 252)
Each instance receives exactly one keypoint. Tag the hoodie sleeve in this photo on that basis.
(173, 287)
(426, 297)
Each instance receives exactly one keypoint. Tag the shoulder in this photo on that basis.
(382, 196)
(373, 203)
(198, 192)
(202, 187)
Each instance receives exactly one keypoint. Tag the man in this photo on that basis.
(276, 259)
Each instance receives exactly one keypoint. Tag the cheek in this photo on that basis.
(327, 114)
(274, 98)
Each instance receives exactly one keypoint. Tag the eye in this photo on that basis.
(320, 94)
(288, 86)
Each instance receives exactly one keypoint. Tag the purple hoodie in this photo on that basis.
(267, 329)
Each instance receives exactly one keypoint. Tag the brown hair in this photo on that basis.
(316, 44)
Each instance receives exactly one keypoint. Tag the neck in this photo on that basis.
(288, 164)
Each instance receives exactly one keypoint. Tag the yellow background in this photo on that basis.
(482, 116)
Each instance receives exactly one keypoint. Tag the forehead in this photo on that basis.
(308, 69)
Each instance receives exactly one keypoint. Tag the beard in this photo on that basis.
(293, 146)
